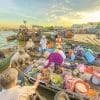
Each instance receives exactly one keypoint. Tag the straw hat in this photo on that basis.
(46, 54)
(43, 36)
(21, 51)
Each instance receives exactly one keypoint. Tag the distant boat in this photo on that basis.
(22, 34)
(12, 37)
(69, 34)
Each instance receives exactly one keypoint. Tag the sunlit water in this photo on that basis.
(3, 41)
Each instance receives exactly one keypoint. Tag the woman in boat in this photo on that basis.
(10, 89)
(59, 40)
(61, 52)
(43, 43)
(30, 45)
(55, 58)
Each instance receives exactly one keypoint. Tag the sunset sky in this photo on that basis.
(49, 12)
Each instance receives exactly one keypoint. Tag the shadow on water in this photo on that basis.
(47, 95)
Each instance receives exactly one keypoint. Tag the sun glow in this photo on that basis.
(93, 17)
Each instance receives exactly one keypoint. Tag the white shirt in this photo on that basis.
(43, 43)
(62, 54)
(17, 93)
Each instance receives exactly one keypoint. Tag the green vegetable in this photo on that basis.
(57, 79)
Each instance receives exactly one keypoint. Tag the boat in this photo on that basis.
(61, 94)
(58, 91)
(12, 37)
(22, 34)
(5, 62)
(69, 34)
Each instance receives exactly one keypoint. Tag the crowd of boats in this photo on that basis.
(77, 77)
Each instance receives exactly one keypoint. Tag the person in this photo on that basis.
(2, 55)
(20, 60)
(55, 58)
(43, 43)
(60, 51)
(19, 57)
(30, 45)
(39, 34)
(10, 89)
(58, 40)
(70, 52)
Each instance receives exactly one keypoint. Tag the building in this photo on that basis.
(35, 28)
(86, 28)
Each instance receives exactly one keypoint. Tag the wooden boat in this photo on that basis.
(12, 37)
(5, 62)
(63, 93)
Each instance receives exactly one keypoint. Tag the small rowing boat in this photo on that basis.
(12, 37)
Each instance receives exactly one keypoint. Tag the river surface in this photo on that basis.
(3, 41)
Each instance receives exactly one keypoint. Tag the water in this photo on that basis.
(3, 41)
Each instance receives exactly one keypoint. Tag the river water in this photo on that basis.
(3, 41)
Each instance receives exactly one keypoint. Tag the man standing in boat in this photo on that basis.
(43, 43)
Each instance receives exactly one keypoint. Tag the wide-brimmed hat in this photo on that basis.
(46, 54)
(43, 36)
(21, 51)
